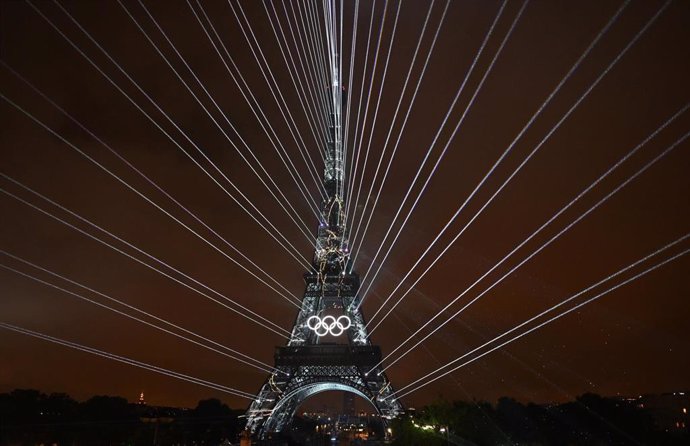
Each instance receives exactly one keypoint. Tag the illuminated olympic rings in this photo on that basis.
(329, 325)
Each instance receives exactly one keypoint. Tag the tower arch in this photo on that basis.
(284, 411)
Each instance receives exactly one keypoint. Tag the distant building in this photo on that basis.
(671, 411)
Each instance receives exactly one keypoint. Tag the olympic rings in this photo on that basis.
(329, 325)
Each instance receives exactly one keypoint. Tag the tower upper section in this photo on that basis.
(332, 253)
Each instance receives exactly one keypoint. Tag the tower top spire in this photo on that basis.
(334, 161)
(332, 253)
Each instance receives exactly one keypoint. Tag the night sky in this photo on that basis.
(631, 341)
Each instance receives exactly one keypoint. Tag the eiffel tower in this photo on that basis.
(312, 362)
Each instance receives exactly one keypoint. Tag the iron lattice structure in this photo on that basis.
(308, 365)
